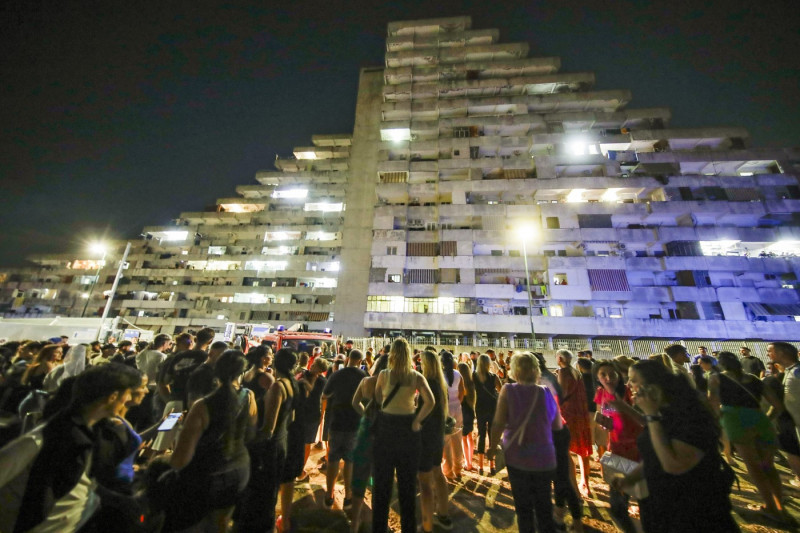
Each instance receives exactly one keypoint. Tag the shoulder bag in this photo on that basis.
(518, 435)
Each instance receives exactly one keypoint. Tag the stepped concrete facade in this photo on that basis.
(413, 223)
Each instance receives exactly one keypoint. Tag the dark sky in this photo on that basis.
(115, 115)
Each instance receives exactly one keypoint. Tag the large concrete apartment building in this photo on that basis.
(411, 224)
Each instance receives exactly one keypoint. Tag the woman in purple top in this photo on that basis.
(526, 416)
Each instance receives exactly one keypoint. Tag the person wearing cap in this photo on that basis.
(105, 354)
(348, 346)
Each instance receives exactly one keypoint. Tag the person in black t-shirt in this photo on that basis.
(751, 364)
(680, 456)
(339, 392)
(173, 376)
(202, 380)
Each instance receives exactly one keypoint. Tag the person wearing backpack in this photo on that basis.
(58, 494)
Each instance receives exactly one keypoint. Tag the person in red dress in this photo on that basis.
(575, 410)
(624, 423)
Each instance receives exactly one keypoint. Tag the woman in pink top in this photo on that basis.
(624, 423)
(526, 416)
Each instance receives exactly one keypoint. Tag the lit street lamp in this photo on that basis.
(113, 290)
(525, 232)
(97, 248)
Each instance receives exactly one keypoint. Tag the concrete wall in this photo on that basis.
(351, 297)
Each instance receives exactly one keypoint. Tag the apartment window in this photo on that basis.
(552, 223)
(377, 275)
(391, 250)
(556, 310)
(594, 221)
(395, 278)
(474, 152)
(497, 253)
(615, 312)
(560, 279)
(461, 132)
(600, 312)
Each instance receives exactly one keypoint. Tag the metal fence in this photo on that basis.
(602, 348)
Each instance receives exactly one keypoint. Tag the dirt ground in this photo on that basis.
(484, 504)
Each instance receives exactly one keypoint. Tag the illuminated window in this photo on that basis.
(395, 278)
(216, 250)
(290, 193)
(396, 134)
(250, 298)
(324, 207)
(173, 235)
(556, 310)
(398, 304)
(615, 312)
(265, 265)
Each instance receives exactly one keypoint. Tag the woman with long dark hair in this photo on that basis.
(453, 453)
(566, 488)
(487, 387)
(256, 510)
(256, 378)
(680, 456)
(623, 423)
(397, 437)
(210, 455)
(575, 410)
(468, 411)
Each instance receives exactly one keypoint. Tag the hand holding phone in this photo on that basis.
(170, 421)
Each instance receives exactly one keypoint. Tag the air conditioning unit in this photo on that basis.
(481, 301)
(622, 246)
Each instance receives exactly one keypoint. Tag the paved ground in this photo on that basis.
(484, 504)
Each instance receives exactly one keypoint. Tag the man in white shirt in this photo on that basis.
(148, 361)
(785, 354)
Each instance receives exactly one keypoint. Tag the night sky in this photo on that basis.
(115, 115)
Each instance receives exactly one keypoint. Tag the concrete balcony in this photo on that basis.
(778, 296)
(571, 292)
(611, 263)
(566, 263)
(692, 294)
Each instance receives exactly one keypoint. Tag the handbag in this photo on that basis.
(616, 464)
(500, 454)
(450, 425)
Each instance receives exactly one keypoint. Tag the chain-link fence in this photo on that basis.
(602, 348)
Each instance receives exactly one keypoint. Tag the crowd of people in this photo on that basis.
(190, 434)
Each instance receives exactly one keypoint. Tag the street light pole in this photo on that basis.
(96, 281)
(113, 291)
(528, 288)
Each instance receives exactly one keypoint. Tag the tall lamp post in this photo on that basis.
(525, 232)
(98, 248)
(110, 300)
